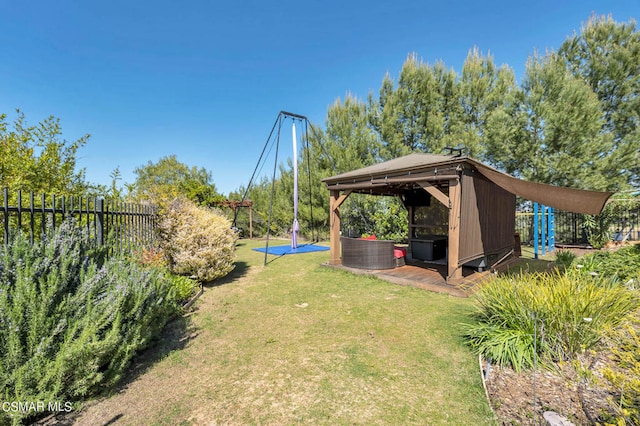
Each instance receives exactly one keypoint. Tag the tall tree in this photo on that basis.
(419, 114)
(485, 90)
(349, 142)
(606, 55)
(558, 121)
(35, 158)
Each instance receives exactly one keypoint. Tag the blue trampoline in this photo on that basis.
(282, 250)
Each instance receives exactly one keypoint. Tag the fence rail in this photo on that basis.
(125, 225)
(570, 227)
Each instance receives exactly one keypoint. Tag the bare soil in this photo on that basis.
(563, 390)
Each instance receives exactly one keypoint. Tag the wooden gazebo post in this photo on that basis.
(335, 201)
(454, 271)
(251, 221)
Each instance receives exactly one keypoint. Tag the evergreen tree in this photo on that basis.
(485, 90)
(349, 142)
(606, 55)
(419, 115)
(558, 121)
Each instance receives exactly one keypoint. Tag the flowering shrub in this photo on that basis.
(198, 241)
(70, 322)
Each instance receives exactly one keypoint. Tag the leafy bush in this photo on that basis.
(183, 286)
(564, 259)
(599, 228)
(570, 311)
(151, 256)
(197, 241)
(69, 323)
(390, 220)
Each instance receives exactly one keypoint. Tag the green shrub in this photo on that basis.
(571, 313)
(184, 287)
(623, 263)
(197, 241)
(564, 259)
(624, 374)
(69, 323)
(599, 228)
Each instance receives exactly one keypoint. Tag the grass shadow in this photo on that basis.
(176, 334)
(240, 270)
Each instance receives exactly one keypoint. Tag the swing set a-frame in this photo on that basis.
(274, 139)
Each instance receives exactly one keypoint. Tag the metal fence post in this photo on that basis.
(43, 224)
(552, 230)
(53, 211)
(32, 218)
(6, 215)
(19, 211)
(535, 230)
(99, 207)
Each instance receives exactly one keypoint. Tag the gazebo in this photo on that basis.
(458, 208)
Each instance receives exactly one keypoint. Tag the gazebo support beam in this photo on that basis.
(436, 193)
(454, 271)
(335, 201)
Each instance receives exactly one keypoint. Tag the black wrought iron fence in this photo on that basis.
(571, 229)
(124, 225)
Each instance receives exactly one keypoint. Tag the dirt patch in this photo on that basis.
(562, 390)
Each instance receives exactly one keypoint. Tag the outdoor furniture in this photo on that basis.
(399, 254)
(429, 249)
(367, 254)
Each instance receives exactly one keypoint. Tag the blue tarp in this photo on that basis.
(282, 250)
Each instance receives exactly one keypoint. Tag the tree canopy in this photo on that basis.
(167, 179)
(35, 158)
(572, 120)
(606, 56)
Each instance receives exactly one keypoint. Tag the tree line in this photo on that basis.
(572, 120)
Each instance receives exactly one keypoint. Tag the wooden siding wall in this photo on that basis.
(487, 218)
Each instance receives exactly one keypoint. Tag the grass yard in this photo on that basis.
(296, 343)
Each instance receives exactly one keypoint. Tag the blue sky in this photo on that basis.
(205, 80)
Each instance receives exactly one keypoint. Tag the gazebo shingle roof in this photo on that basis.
(383, 178)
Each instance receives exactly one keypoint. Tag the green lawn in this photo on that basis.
(297, 343)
